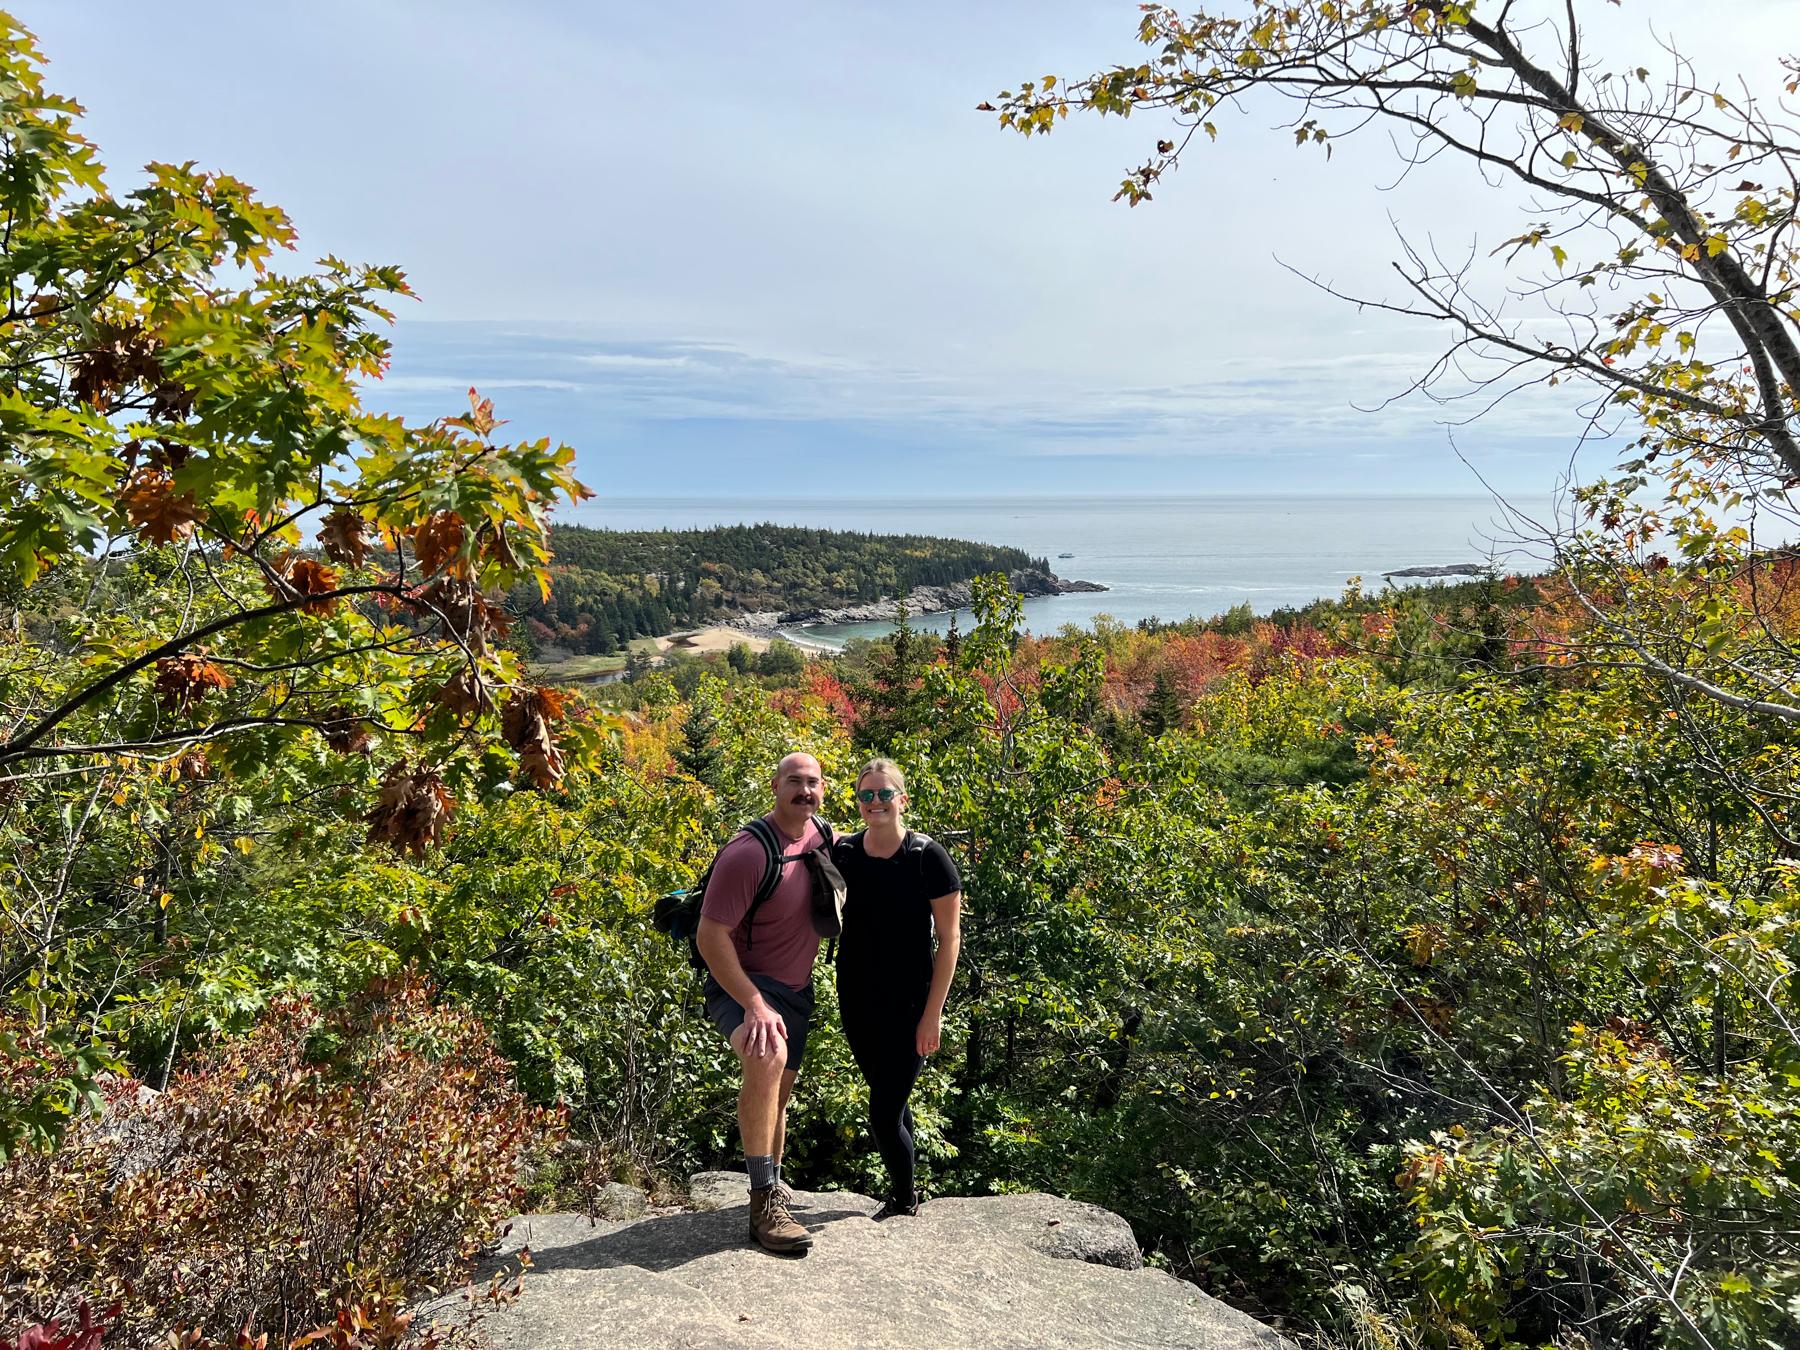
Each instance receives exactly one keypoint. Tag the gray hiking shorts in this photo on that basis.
(793, 1006)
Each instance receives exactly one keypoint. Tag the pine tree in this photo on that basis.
(1162, 710)
(699, 753)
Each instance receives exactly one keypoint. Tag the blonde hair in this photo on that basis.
(887, 766)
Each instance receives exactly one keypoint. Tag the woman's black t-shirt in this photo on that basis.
(885, 951)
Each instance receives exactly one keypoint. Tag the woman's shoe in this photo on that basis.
(892, 1207)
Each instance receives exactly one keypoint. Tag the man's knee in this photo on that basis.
(767, 1068)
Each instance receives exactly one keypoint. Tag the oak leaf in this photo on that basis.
(118, 358)
(342, 537)
(463, 610)
(412, 809)
(526, 726)
(465, 694)
(308, 576)
(153, 506)
(182, 681)
(347, 731)
(438, 544)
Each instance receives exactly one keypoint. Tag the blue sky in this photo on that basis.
(774, 250)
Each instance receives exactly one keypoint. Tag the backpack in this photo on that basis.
(677, 914)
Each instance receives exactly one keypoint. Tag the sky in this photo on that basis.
(774, 250)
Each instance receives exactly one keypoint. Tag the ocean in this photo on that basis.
(1165, 557)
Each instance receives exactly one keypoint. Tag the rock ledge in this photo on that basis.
(1006, 1271)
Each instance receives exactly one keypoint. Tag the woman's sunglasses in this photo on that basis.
(867, 795)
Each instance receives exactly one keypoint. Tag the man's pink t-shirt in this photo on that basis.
(783, 945)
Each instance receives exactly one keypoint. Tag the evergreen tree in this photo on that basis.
(1162, 709)
(699, 753)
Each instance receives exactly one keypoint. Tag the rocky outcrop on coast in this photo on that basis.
(1028, 582)
(1446, 570)
(985, 1272)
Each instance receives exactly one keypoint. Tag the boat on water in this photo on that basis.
(1065, 555)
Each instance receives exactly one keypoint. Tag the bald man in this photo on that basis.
(759, 990)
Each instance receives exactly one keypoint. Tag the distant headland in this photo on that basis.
(943, 599)
(614, 592)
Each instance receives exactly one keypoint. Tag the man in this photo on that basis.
(759, 993)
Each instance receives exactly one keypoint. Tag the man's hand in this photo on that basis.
(762, 1024)
(930, 1033)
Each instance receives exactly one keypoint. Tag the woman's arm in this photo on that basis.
(946, 917)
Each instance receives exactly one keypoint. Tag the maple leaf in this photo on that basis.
(154, 507)
(342, 537)
(412, 809)
(438, 544)
(182, 681)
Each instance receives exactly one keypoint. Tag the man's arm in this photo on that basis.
(762, 1024)
(946, 917)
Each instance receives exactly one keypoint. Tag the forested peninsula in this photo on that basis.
(610, 586)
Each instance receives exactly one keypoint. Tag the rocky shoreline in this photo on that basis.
(1028, 582)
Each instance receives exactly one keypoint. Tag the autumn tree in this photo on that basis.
(232, 597)
(1666, 207)
(1651, 267)
(252, 559)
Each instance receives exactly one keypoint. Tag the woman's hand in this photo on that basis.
(930, 1034)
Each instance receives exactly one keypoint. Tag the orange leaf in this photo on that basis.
(154, 507)
(342, 537)
(438, 544)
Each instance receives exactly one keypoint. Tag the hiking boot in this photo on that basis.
(891, 1208)
(785, 1194)
(772, 1225)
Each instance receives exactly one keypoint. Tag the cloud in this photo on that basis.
(632, 361)
(705, 398)
(433, 384)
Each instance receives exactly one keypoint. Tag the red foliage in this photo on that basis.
(829, 690)
(86, 1335)
(268, 1190)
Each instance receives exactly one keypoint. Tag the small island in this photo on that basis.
(1443, 570)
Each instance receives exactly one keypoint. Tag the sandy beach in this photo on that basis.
(720, 639)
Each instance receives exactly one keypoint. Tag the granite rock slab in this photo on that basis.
(1010, 1272)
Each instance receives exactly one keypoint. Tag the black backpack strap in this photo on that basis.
(764, 834)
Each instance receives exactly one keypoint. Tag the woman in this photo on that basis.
(891, 986)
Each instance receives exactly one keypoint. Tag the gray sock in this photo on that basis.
(762, 1170)
(778, 1171)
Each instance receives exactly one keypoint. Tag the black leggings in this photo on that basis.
(883, 1038)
